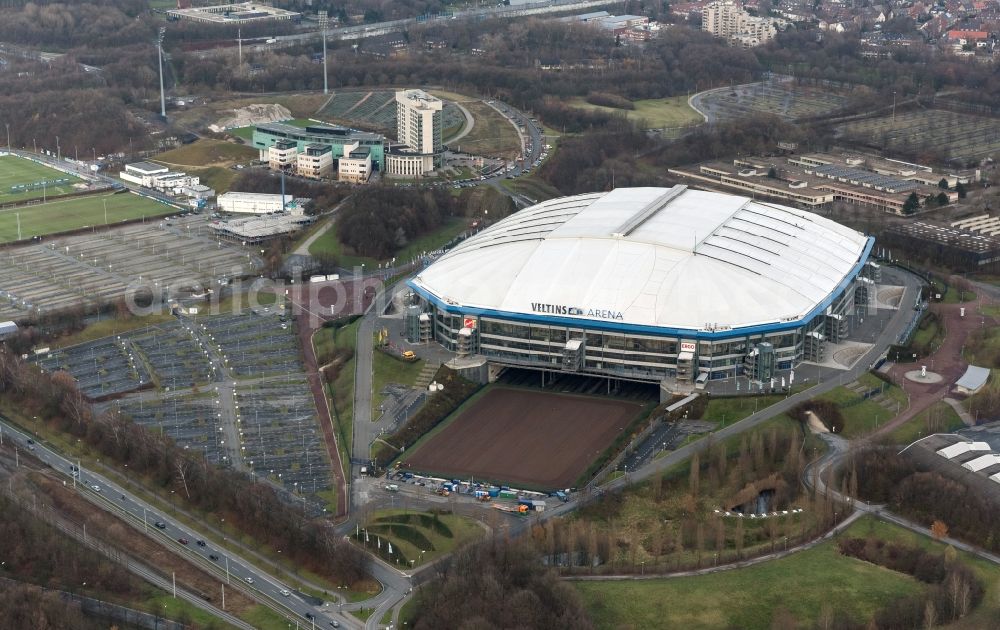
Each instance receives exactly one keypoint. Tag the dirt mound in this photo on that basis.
(252, 115)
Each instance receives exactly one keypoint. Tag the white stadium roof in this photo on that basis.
(660, 257)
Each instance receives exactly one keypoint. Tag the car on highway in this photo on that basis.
(213, 557)
(200, 543)
(248, 579)
(95, 488)
(285, 592)
(160, 525)
(183, 541)
(335, 623)
(310, 616)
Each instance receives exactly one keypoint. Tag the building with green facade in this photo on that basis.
(265, 136)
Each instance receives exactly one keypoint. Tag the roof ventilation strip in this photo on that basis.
(647, 211)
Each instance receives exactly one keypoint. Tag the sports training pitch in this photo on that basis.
(16, 171)
(76, 212)
(523, 437)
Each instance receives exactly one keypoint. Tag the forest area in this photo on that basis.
(107, 110)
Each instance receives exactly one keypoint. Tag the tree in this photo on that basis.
(911, 204)
(943, 183)
(694, 478)
(942, 199)
(961, 190)
(939, 530)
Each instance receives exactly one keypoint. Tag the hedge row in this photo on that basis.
(438, 406)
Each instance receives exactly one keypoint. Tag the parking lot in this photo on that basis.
(254, 344)
(280, 437)
(103, 367)
(230, 386)
(193, 421)
(174, 355)
(98, 266)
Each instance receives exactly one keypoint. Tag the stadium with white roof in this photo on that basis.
(648, 284)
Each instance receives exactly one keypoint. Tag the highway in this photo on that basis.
(362, 31)
(231, 569)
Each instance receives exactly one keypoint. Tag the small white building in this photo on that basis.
(316, 162)
(142, 173)
(257, 203)
(282, 155)
(973, 381)
(356, 165)
(198, 191)
(174, 182)
(7, 329)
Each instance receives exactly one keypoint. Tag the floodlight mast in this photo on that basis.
(159, 50)
(324, 20)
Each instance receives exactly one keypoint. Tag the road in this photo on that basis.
(818, 471)
(381, 28)
(231, 568)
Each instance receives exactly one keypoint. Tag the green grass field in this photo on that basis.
(77, 212)
(17, 170)
(861, 418)
(329, 243)
(804, 583)
(938, 418)
(659, 113)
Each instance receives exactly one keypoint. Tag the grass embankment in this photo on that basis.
(109, 325)
(78, 212)
(263, 618)
(329, 243)
(491, 135)
(924, 341)
(955, 296)
(438, 412)
(535, 189)
(807, 584)
(218, 178)
(416, 537)
(982, 348)
(727, 410)
(386, 370)
(658, 113)
(862, 416)
(330, 342)
(938, 418)
(208, 152)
